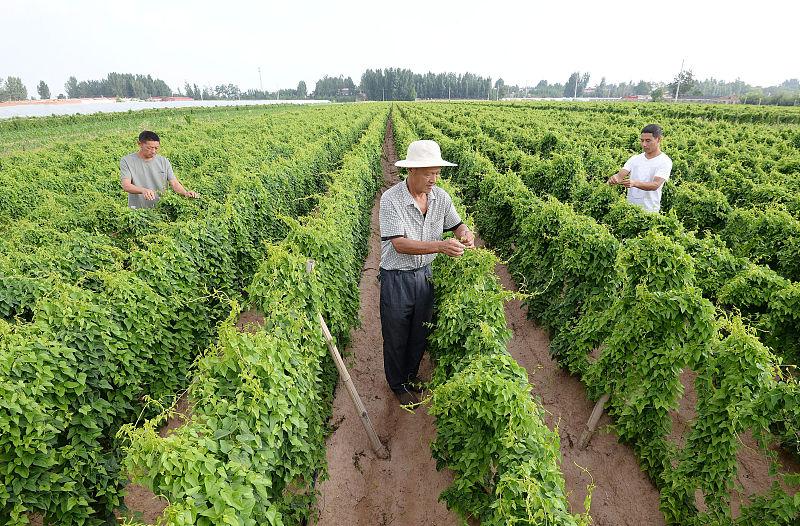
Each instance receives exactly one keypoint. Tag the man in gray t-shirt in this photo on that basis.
(145, 174)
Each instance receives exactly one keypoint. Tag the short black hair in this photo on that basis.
(148, 136)
(655, 129)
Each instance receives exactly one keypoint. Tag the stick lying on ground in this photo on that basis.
(377, 446)
(591, 425)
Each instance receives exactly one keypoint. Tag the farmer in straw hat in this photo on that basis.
(413, 216)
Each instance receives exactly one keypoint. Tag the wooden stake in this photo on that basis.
(377, 446)
(591, 425)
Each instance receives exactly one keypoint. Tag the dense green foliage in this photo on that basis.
(255, 442)
(106, 307)
(618, 290)
(490, 432)
(574, 166)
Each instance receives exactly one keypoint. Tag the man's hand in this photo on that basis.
(451, 247)
(619, 177)
(468, 239)
(149, 195)
(627, 183)
(192, 194)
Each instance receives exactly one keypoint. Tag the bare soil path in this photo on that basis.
(362, 489)
(624, 495)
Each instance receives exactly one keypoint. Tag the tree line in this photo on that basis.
(404, 84)
(122, 85)
(685, 85)
(232, 92)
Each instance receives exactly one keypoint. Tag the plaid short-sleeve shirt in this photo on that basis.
(400, 216)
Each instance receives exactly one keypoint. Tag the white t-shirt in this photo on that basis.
(645, 170)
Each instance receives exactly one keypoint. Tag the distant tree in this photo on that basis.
(602, 88)
(570, 88)
(116, 85)
(684, 83)
(500, 86)
(139, 89)
(643, 88)
(226, 91)
(302, 90)
(43, 89)
(657, 94)
(15, 89)
(338, 88)
(72, 88)
(2, 91)
(160, 89)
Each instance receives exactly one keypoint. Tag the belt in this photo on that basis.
(399, 271)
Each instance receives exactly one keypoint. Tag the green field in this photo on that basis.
(109, 314)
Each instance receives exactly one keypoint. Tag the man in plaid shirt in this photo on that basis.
(413, 216)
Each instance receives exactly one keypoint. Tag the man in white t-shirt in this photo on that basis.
(645, 174)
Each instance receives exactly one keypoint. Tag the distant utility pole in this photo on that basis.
(448, 92)
(383, 93)
(577, 78)
(678, 87)
(260, 83)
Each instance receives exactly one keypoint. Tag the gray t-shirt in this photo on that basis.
(152, 174)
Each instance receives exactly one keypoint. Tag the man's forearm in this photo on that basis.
(412, 247)
(649, 187)
(133, 189)
(178, 188)
(461, 231)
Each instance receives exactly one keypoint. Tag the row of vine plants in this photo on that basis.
(627, 317)
(768, 301)
(109, 318)
(254, 445)
(737, 181)
(490, 431)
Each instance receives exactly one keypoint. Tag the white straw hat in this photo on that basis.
(423, 154)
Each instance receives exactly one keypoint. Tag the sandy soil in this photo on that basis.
(623, 496)
(362, 489)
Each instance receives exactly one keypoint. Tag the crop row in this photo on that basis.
(94, 331)
(739, 181)
(490, 432)
(254, 445)
(768, 301)
(628, 318)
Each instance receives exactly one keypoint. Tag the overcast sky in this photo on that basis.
(212, 43)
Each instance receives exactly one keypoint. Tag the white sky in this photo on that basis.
(211, 43)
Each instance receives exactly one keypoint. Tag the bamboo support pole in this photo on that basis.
(591, 425)
(377, 446)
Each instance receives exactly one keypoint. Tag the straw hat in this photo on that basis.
(423, 154)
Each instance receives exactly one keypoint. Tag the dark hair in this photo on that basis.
(655, 129)
(148, 136)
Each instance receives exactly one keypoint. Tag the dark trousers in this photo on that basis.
(406, 306)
